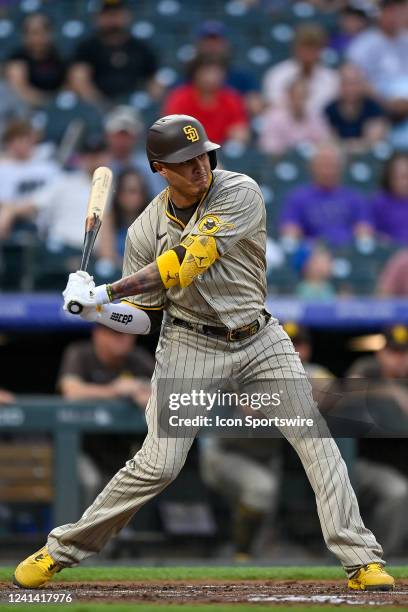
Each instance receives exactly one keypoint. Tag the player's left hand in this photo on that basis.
(80, 288)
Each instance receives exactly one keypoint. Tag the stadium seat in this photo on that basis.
(26, 472)
(282, 280)
(236, 157)
(51, 267)
(363, 172)
(9, 37)
(357, 272)
(65, 108)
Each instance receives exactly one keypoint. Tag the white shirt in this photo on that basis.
(383, 60)
(62, 208)
(323, 84)
(19, 179)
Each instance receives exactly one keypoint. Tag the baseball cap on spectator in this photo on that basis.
(396, 337)
(211, 29)
(93, 144)
(297, 333)
(123, 119)
(111, 5)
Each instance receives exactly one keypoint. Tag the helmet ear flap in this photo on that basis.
(213, 159)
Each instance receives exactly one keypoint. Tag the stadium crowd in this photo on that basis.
(309, 98)
(319, 119)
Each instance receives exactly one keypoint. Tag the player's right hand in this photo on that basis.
(80, 288)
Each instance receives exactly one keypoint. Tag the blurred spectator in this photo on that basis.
(11, 107)
(324, 209)
(302, 342)
(219, 108)
(382, 487)
(124, 131)
(247, 473)
(381, 53)
(36, 70)
(354, 19)
(315, 270)
(111, 63)
(61, 205)
(285, 126)
(309, 43)
(356, 118)
(382, 490)
(21, 173)
(393, 280)
(109, 366)
(129, 201)
(388, 366)
(212, 42)
(6, 397)
(390, 206)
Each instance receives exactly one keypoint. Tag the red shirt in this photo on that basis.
(218, 117)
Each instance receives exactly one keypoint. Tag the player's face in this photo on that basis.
(399, 177)
(326, 167)
(189, 178)
(91, 161)
(394, 364)
(111, 345)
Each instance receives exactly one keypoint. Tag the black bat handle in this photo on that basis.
(74, 307)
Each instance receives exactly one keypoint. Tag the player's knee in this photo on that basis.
(157, 472)
(169, 472)
(397, 490)
(260, 494)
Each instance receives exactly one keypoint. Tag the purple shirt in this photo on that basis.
(390, 215)
(326, 214)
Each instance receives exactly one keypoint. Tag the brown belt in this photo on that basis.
(229, 335)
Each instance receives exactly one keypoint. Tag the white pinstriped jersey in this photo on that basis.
(232, 291)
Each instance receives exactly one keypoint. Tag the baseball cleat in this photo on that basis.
(371, 577)
(35, 571)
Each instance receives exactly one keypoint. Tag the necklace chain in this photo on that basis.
(173, 211)
(169, 200)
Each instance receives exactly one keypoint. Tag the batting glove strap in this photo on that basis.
(102, 295)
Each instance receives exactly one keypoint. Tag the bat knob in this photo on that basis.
(75, 307)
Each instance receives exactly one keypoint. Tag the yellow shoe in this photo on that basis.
(35, 571)
(371, 577)
(241, 557)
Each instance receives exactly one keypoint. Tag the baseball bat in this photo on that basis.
(98, 198)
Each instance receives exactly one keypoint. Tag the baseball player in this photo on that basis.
(198, 253)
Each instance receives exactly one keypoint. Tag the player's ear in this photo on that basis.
(160, 169)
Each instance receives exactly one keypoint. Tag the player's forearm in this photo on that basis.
(121, 317)
(146, 280)
(74, 389)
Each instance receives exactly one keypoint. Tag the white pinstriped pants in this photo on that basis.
(185, 354)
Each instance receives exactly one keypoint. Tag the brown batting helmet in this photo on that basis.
(178, 138)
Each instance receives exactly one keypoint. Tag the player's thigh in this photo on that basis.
(277, 379)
